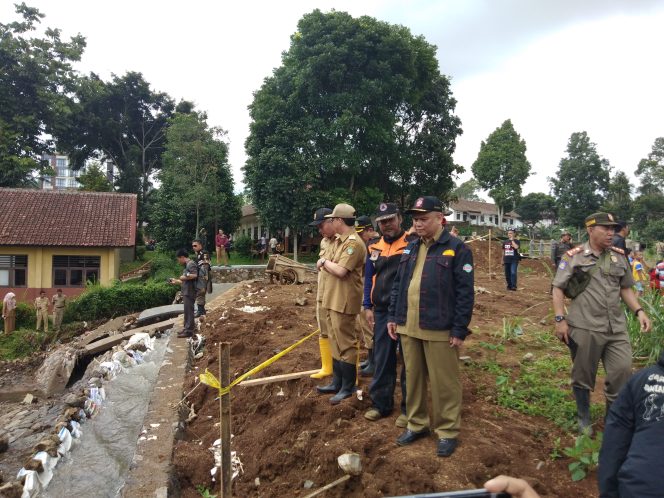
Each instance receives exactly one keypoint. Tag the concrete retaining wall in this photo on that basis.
(223, 275)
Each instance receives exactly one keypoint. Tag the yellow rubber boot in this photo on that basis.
(325, 358)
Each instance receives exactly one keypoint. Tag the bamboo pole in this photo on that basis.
(225, 417)
(490, 275)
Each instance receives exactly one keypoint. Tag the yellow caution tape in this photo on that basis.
(209, 379)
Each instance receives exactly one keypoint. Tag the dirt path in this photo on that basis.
(286, 434)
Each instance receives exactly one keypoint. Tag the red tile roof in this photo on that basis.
(66, 218)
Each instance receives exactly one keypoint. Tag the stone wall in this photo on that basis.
(222, 275)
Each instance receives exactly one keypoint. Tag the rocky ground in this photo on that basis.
(288, 437)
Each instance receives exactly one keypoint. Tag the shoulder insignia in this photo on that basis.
(351, 237)
(618, 250)
(574, 251)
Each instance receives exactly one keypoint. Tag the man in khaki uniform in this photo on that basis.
(326, 231)
(41, 307)
(431, 305)
(343, 300)
(595, 327)
(59, 301)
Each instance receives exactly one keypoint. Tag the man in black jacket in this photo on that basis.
(431, 304)
(630, 461)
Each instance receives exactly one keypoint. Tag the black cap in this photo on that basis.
(605, 219)
(362, 223)
(426, 204)
(386, 210)
(319, 216)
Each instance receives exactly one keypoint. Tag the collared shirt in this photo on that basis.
(412, 327)
(325, 251)
(188, 287)
(41, 303)
(59, 301)
(344, 295)
(597, 308)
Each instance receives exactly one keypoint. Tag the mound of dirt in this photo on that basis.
(286, 434)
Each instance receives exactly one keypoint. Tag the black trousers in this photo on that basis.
(384, 379)
(189, 327)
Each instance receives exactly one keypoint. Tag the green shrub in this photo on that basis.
(120, 299)
(140, 252)
(164, 266)
(242, 245)
(648, 345)
(25, 317)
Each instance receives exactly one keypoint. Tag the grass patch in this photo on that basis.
(647, 346)
(22, 342)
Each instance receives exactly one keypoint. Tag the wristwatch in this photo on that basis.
(559, 318)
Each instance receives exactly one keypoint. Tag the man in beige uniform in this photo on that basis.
(343, 300)
(595, 327)
(59, 301)
(41, 307)
(325, 230)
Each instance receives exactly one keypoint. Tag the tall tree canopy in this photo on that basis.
(122, 121)
(501, 167)
(94, 179)
(467, 190)
(619, 197)
(196, 183)
(535, 207)
(651, 169)
(581, 182)
(35, 78)
(358, 105)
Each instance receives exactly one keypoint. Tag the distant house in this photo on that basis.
(62, 239)
(250, 224)
(481, 214)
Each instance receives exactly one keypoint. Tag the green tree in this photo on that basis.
(36, 77)
(501, 167)
(619, 197)
(196, 182)
(467, 190)
(358, 105)
(123, 122)
(94, 179)
(581, 182)
(651, 169)
(535, 207)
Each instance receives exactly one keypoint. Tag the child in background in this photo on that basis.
(639, 272)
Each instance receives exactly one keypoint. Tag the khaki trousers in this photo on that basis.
(615, 352)
(438, 361)
(58, 314)
(42, 315)
(343, 336)
(364, 331)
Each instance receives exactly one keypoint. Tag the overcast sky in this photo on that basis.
(553, 67)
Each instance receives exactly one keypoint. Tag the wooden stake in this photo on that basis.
(490, 277)
(225, 417)
(328, 486)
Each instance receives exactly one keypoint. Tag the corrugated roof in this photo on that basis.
(67, 218)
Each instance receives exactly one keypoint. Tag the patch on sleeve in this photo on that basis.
(467, 267)
(449, 252)
(406, 251)
(350, 251)
(563, 264)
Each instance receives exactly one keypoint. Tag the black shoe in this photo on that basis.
(348, 378)
(409, 436)
(446, 447)
(334, 386)
(184, 334)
